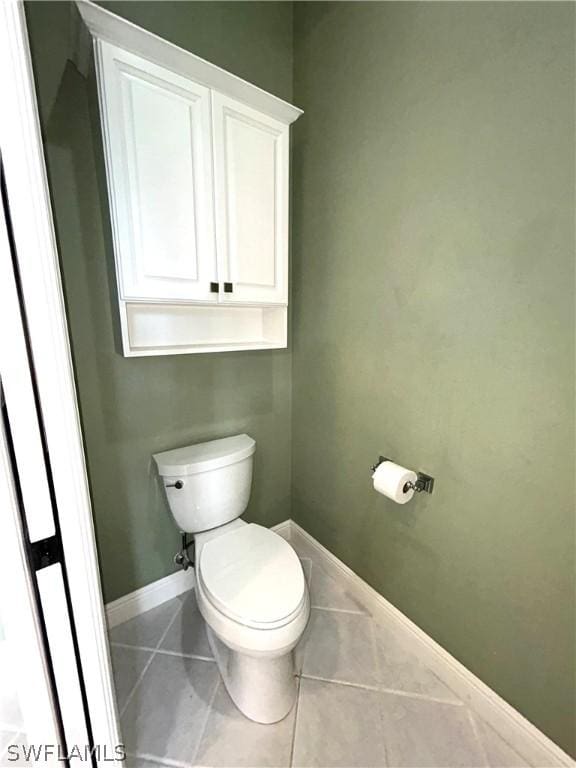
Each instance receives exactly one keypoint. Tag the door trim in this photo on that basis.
(33, 229)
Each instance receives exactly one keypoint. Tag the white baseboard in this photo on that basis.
(522, 735)
(148, 597)
(536, 748)
(284, 529)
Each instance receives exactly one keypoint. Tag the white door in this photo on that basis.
(28, 703)
(42, 700)
(157, 138)
(251, 160)
(51, 605)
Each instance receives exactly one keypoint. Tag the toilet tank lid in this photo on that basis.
(203, 457)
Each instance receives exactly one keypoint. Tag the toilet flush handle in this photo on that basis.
(178, 485)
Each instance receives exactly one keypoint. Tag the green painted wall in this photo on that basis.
(132, 408)
(433, 306)
(433, 316)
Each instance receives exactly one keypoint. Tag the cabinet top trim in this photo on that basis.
(106, 25)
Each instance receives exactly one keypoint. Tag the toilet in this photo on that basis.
(250, 586)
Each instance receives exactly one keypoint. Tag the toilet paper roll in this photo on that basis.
(390, 479)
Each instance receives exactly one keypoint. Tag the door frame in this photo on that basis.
(34, 237)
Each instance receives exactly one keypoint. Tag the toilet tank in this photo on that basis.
(207, 484)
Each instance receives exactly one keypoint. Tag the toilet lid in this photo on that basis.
(253, 576)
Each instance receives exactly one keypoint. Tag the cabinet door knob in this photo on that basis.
(214, 287)
(228, 288)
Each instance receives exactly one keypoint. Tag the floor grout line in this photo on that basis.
(163, 651)
(296, 705)
(383, 732)
(131, 647)
(150, 660)
(375, 651)
(339, 610)
(377, 689)
(479, 739)
(361, 611)
(177, 612)
(311, 580)
(209, 709)
(136, 684)
(194, 656)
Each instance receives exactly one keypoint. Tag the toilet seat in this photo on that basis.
(252, 576)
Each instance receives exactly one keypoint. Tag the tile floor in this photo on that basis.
(363, 700)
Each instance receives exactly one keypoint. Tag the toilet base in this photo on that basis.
(264, 689)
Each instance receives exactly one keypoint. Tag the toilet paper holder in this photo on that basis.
(424, 483)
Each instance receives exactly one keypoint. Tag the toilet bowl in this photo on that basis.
(252, 594)
(250, 586)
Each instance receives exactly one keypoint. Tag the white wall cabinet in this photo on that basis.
(158, 141)
(251, 160)
(197, 162)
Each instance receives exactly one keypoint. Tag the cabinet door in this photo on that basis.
(157, 136)
(251, 180)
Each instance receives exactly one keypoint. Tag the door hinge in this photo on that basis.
(46, 552)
